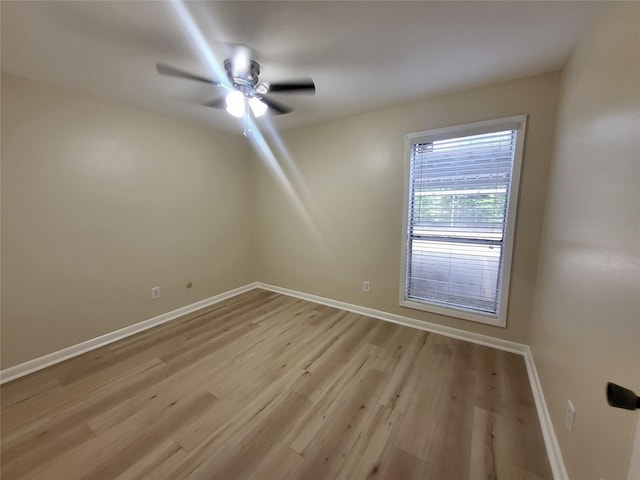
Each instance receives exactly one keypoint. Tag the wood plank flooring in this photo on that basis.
(265, 386)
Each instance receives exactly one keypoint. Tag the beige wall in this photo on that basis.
(349, 176)
(586, 325)
(102, 202)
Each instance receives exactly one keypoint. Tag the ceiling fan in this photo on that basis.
(245, 91)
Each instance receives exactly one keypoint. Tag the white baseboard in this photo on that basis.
(551, 442)
(548, 433)
(39, 363)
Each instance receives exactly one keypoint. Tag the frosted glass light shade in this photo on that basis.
(258, 107)
(235, 103)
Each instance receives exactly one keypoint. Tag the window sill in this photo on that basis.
(488, 319)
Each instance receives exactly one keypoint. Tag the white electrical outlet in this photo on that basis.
(366, 286)
(155, 292)
(570, 416)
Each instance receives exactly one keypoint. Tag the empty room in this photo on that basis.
(320, 240)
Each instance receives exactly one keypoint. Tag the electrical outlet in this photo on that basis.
(569, 416)
(366, 286)
(155, 292)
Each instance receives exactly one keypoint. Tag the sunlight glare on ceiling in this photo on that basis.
(251, 130)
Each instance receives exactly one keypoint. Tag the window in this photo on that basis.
(461, 193)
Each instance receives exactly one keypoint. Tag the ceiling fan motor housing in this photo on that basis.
(242, 73)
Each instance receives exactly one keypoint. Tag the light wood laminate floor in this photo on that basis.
(266, 386)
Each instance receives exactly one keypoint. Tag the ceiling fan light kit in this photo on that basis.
(247, 95)
(237, 105)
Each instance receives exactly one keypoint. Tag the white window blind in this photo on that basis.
(459, 193)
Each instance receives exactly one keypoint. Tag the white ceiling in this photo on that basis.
(361, 55)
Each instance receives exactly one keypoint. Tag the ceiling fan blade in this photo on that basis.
(218, 102)
(164, 69)
(276, 107)
(304, 85)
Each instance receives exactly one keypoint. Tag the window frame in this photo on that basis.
(516, 122)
